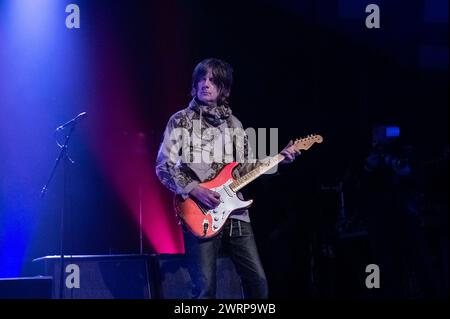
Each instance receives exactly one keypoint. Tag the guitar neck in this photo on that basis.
(299, 144)
(255, 173)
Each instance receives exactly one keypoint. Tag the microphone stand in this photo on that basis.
(139, 151)
(63, 155)
(141, 246)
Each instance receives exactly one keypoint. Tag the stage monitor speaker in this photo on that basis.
(175, 282)
(99, 276)
(26, 288)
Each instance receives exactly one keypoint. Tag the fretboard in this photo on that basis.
(255, 173)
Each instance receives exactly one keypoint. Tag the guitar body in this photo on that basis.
(204, 223)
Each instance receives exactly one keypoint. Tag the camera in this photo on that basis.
(387, 150)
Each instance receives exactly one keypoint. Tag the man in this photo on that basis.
(397, 239)
(180, 170)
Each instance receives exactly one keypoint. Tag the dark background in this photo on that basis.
(302, 67)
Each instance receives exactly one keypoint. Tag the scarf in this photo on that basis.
(214, 115)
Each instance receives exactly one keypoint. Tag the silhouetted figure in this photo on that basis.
(391, 202)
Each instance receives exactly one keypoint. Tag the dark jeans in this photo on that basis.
(236, 239)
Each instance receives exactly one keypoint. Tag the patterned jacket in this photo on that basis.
(196, 129)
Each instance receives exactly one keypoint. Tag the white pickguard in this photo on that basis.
(229, 203)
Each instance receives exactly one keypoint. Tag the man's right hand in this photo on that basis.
(206, 197)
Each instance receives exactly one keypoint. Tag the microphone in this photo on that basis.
(72, 121)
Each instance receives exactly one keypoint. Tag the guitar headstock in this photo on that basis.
(306, 142)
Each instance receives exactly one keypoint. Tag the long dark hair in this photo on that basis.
(222, 74)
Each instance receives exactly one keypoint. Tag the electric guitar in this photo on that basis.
(206, 223)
